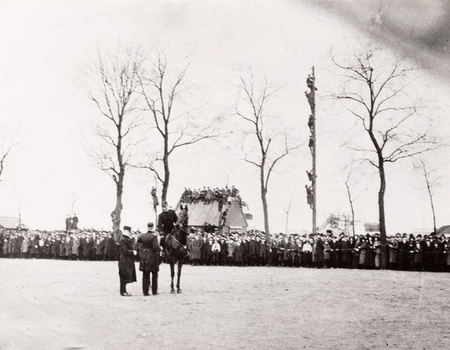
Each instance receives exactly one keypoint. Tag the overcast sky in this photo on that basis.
(45, 47)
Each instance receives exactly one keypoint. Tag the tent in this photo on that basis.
(201, 213)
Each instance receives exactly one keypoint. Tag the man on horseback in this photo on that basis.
(166, 222)
(174, 245)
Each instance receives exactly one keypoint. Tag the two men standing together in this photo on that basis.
(149, 260)
(149, 253)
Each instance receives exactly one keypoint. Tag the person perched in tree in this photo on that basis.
(223, 219)
(310, 82)
(155, 198)
(309, 195)
(310, 98)
(311, 123)
(311, 144)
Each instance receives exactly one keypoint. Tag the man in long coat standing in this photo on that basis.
(127, 270)
(149, 259)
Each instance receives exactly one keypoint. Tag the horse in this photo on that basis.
(174, 247)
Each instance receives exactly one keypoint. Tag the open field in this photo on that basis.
(75, 304)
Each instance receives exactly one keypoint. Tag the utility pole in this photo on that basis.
(311, 189)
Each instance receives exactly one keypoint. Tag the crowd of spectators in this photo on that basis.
(67, 245)
(208, 195)
(412, 253)
(405, 252)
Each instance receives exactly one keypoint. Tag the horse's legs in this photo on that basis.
(180, 265)
(172, 275)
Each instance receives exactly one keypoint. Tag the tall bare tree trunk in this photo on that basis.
(254, 117)
(398, 136)
(166, 182)
(430, 193)
(265, 213)
(382, 218)
(352, 209)
(117, 212)
(264, 201)
(115, 79)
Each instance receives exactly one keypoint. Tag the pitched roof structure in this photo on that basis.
(201, 213)
(443, 230)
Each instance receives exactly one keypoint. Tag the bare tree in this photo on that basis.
(250, 109)
(162, 92)
(350, 175)
(347, 182)
(116, 98)
(431, 182)
(287, 211)
(396, 129)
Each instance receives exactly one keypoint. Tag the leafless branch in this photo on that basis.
(4, 155)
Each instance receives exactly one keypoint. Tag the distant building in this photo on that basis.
(338, 223)
(9, 222)
(372, 227)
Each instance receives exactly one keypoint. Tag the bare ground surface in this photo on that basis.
(75, 304)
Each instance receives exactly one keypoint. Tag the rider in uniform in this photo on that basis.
(166, 222)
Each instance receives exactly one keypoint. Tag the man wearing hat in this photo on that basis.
(149, 259)
(127, 270)
(166, 222)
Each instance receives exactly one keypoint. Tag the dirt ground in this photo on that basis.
(48, 304)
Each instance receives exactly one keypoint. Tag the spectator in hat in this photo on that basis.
(377, 250)
(393, 253)
(223, 251)
(149, 259)
(318, 252)
(438, 256)
(418, 257)
(427, 255)
(127, 270)
(215, 249)
(307, 253)
(326, 253)
(74, 225)
(410, 254)
(238, 253)
(402, 261)
(362, 252)
(345, 252)
(68, 223)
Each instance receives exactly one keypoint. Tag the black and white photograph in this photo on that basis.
(242, 174)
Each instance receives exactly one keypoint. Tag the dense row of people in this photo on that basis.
(75, 245)
(413, 253)
(208, 195)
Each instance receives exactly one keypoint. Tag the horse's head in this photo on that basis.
(183, 217)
